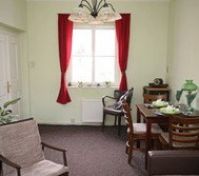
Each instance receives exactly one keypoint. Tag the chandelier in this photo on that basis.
(94, 12)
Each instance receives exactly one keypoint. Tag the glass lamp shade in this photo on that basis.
(80, 15)
(108, 15)
(189, 86)
(95, 20)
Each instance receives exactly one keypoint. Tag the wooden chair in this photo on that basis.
(115, 107)
(183, 133)
(21, 149)
(136, 131)
(148, 98)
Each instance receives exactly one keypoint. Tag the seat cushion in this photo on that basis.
(43, 168)
(111, 109)
(141, 128)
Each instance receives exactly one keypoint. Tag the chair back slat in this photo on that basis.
(184, 132)
(184, 128)
(186, 141)
(127, 115)
(128, 120)
(20, 142)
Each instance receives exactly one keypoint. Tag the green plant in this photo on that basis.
(5, 113)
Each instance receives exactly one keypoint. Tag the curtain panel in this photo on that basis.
(65, 32)
(123, 34)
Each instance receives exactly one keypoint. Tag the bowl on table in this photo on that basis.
(159, 103)
(169, 110)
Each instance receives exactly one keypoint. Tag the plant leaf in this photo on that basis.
(6, 112)
(4, 120)
(11, 102)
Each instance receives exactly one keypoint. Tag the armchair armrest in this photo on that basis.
(11, 164)
(57, 149)
(105, 97)
(166, 162)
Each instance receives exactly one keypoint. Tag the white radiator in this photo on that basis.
(92, 110)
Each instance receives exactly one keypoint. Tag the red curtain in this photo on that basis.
(123, 34)
(65, 31)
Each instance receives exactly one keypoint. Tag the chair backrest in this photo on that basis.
(118, 94)
(184, 132)
(20, 142)
(127, 96)
(148, 98)
(128, 120)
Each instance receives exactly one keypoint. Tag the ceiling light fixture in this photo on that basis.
(94, 12)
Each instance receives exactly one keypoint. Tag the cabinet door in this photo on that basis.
(3, 70)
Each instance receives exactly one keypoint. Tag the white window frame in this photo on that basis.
(116, 66)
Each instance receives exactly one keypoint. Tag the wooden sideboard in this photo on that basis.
(156, 91)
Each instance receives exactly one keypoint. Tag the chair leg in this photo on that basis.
(119, 125)
(103, 122)
(1, 168)
(127, 148)
(138, 144)
(115, 123)
(130, 152)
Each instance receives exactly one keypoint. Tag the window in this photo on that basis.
(94, 55)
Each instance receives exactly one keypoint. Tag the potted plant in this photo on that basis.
(5, 112)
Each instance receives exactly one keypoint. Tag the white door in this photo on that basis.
(9, 70)
(13, 72)
(3, 70)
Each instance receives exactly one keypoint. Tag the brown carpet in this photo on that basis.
(91, 152)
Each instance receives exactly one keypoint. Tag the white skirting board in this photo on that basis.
(92, 110)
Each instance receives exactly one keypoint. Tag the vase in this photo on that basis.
(189, 86)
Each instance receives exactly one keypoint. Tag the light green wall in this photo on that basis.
(183, 60)
(147, 56)
(13, 13)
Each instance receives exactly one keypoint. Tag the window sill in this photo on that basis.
(93, 87)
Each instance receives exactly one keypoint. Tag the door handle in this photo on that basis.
(8, 87)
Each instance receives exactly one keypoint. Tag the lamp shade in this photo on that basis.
(94, 12)
(189, 86)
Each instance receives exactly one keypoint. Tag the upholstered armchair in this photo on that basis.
(21, 149)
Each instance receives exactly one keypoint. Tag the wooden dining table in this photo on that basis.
(150, 116)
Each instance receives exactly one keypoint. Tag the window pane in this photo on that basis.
(105, 42)
(82, 42)
(82, 69)
(93, 55)
(105, 69)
